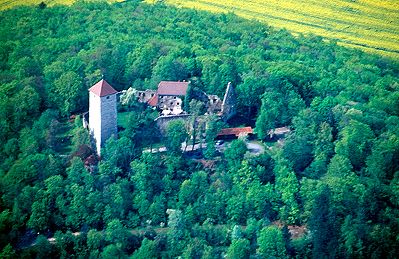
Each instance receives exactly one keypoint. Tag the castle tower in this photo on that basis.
(102, 113)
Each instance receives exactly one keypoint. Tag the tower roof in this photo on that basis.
(102, 88)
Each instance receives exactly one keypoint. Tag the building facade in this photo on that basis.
(103, 118)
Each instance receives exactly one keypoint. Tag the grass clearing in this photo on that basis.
(64, 137)
(123, 119)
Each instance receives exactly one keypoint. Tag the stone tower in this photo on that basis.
(102, 113)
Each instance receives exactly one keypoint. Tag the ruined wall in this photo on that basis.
(169, 102)
(214, 104)
(85, 120)
(229, 105)
(145, 96)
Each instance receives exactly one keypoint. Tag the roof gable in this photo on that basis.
(172, 88)
(153, 101)
(102, 88)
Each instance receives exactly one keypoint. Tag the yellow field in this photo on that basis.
(372, 25)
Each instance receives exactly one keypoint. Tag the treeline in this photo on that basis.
(337, 173)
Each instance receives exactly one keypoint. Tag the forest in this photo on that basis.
(335, 177)
(371, 25)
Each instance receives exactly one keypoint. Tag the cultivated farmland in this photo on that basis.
(372, 25)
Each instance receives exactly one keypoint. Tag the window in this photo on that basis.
(171, 103)
(174, 97)
(152, 95)
(178, 103)
(107, 97)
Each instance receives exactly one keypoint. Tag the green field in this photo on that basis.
(123, 119)
(371, 25)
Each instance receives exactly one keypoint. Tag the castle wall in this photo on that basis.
(229, 108)
(109, 118)
(95, 119)
(102, 119)
(169, 102)
(214, 104)
(145, 96)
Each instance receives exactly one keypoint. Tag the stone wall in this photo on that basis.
(229, 105)
(103, 119)
(145, 96)
(95, 120)
(169, 102)
(109, 118)
(214, 104)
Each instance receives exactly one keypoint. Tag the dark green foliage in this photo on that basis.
(336, 173)
(288, 187)
(148, 249)
(43, 247)
(239, 248)
(278, 108)
(8, 252)
(213, 126)
(235, 153)
(271, 243)
(176, 133)
(113, 251)
(323, 223)
(355, 143)
(187, 99)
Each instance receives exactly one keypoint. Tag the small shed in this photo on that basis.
(231, 133)
(279, 132)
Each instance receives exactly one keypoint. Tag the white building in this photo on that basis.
(102, 113)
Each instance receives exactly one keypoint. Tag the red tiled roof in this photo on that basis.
(172, 88)
(102, 88)
(153, 101)
(236, 131)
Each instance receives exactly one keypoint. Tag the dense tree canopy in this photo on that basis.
(335, 176)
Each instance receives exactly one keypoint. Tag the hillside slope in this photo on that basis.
(336, 173)
(367, 24)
